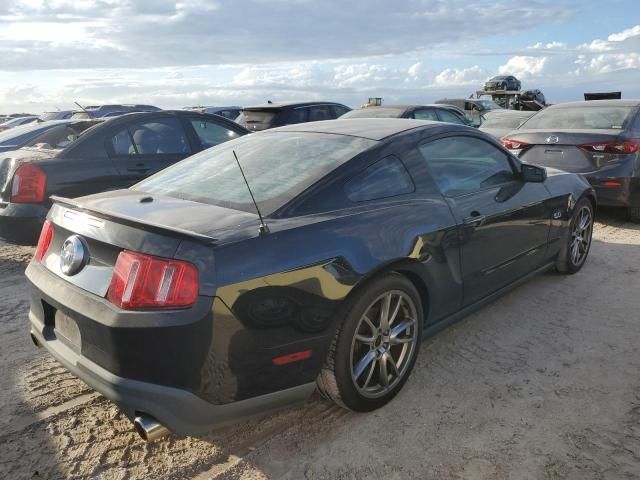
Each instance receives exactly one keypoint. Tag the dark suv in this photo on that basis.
(111, 155)
(278, 114)
(502, 82)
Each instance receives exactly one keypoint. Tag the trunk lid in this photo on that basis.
(561, 149)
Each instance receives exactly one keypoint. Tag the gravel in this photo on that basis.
(542, 383)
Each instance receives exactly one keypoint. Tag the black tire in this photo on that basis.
(634, 214)
(566, 262)
(336, 380)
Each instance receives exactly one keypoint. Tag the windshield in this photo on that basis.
(581, 118)
(278, 167)
(488, 105)
(375, 112)
(504, 120)
(59, 137)
(256, 120)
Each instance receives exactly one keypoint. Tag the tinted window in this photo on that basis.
(465, 164)
(59, 137)
(296, 115)
(386, 178)
(339, 110)
(320, 112)
(155, 137)
(278, 166)
(256, 120)
(122, 144)
(426, 114)
(210, 133)
(587, 117)
(447, 116)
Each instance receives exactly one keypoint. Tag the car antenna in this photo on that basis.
(263, 226)
(84, 110)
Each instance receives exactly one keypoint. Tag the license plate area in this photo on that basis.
(64, 327)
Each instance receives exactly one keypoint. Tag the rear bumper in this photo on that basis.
(179, 410)
(144, 361)
(21, 222)
(616, 191)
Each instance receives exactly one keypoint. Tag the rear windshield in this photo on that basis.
(10, 137)
(59, 137)
(504, 121)
(375, 112)
(580, 118)
(278, 167)
(256, 120)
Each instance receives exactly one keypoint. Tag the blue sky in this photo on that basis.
(223, 52)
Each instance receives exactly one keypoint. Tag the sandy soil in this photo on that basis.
(541, 384)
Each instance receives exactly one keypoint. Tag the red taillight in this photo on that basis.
(44, 241)
(141, 281)
(29, 184)
(515, 146)
(611, 184)
(622, 148)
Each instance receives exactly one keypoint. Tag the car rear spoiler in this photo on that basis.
(135, 222)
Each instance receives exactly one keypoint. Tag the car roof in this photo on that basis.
(371, 128)
(599, 103)
(279, 105)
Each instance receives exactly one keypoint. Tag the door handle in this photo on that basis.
(475, 219)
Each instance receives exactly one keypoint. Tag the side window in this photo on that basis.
(122, 144)
(339, 110)
(320, 112)
(210, 133)
(297, 115)
(155, 137)
(386, 178)
(463, 165)
(426, 114)
(447, 116)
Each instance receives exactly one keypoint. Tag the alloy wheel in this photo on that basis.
(384, 344)
(581, 236)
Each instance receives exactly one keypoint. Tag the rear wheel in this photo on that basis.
(376, 347)
(574, 253)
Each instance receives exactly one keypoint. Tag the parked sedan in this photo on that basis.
(502, 82)
(115, 154)
(277, 114)
(501, 122)
(190, 308)
(34, 133)
(17, 122)
(599, 139)
(438, 113)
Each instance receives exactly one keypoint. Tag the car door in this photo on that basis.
(145, 147)
(503, 221)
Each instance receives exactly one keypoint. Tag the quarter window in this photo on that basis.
(210, 133)
(463, 165)
(386, 178)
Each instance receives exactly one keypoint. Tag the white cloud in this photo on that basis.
(625, 34)
(461, 76)
(522, 66)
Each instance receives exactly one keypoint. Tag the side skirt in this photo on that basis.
(460, 314)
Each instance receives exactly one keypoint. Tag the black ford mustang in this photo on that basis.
(177, 302)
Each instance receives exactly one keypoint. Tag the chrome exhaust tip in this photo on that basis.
(34, 340)
(149, 428)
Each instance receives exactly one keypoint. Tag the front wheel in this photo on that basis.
(574, 253)
(376, 347)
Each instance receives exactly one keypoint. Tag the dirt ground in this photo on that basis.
(542, 384)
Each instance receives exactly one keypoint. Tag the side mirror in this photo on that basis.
(533, 173)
